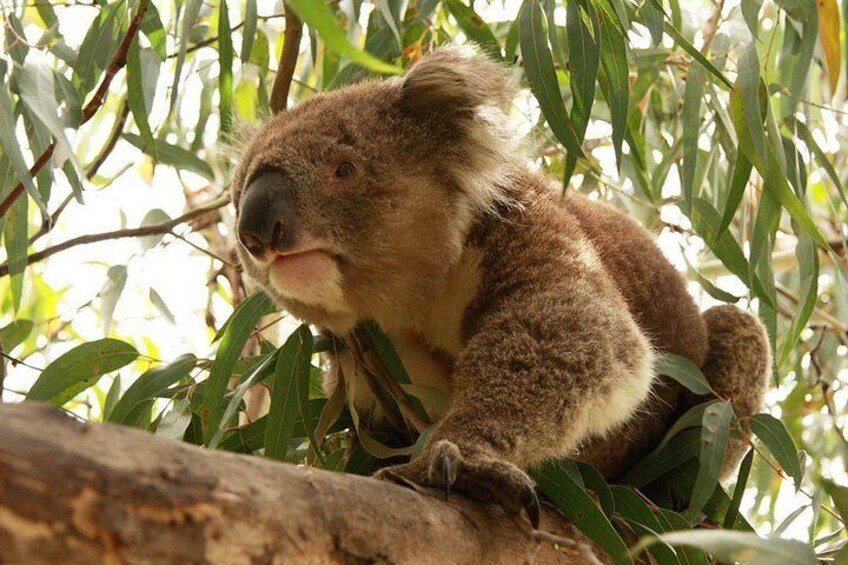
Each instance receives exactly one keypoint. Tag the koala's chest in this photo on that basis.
(430, 345)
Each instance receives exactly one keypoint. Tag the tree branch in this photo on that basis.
(288, 61)
(114, 494)
(158, 229)
(117, 62)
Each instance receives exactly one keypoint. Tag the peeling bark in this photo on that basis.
(84, 493)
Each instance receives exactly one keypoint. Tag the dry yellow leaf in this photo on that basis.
(829, 36)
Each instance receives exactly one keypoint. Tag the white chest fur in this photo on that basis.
(429, 342)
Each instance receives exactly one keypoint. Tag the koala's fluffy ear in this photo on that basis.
(455, 81)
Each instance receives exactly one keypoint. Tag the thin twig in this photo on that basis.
(158, 229)
(288, 61)
(114, 135)
(118, 61)
(214, 38)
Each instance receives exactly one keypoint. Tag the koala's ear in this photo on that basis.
(454, 82)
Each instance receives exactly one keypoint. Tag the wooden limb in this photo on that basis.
(75, 492)
(288, 61)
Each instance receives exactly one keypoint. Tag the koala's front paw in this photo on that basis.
(443, 466)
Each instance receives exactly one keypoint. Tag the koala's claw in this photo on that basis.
(482, 478)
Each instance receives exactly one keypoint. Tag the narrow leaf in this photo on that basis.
(742, 547)
(248, 31)
(225, 64)
(139, 397)
(475, 28)
(739, 490)
(288, 392)
(715, 431)
(776, 438)
(683, 371)
(79, 369)
(14, 333)
(168, 154)
(319, 17)
(541, 74)
(581, 510)
(239, 327)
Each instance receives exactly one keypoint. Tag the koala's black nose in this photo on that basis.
(266, 214)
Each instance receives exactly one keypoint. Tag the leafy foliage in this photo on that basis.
(716, 124)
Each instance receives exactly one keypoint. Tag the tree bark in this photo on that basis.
(75, 492)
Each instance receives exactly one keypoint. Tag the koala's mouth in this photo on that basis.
(308, 275)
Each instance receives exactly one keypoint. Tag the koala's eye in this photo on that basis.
(345, 170)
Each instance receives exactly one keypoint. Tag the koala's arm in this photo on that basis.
(544, 373)
(552, 358)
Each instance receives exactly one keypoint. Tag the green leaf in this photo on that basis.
(174, 423)
(615, 81)
(153, 217)
(580, 509)
(810, 142)
(584, 46)
(38, 87)
(157, 301)
(715, 431)
(751, 14)
(808, 277)
(239, 327)
(739, 490)
(594, 481)
(99, 44)
(765, 227)
(135, 96)
(687, 46)
(705, 219)
(839, 495)
(248, 31)
(683, 371)
(475, 28)
(254, 375)
(14, 333)
(742, 547)
(672, 522)
(151, 26)
(139, 397)
(643, 521)
(190, 14)
(289, 392)
(319, 17)
(225, 64)
(691, 118)
(741, 173)
(679, 449)
(168, 154)
(11, 146)
(15, 240)
(692, 418)
(540, 72)
(79, 369)
(116, 280)
(392, 361)
(776, 438)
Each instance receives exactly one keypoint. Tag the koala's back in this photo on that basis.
(654, 290)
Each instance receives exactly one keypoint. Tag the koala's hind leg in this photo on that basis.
(737, 366)
(541, 374)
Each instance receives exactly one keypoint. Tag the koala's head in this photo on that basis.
(356, 203)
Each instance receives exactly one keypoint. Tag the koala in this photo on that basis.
(407, 202)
